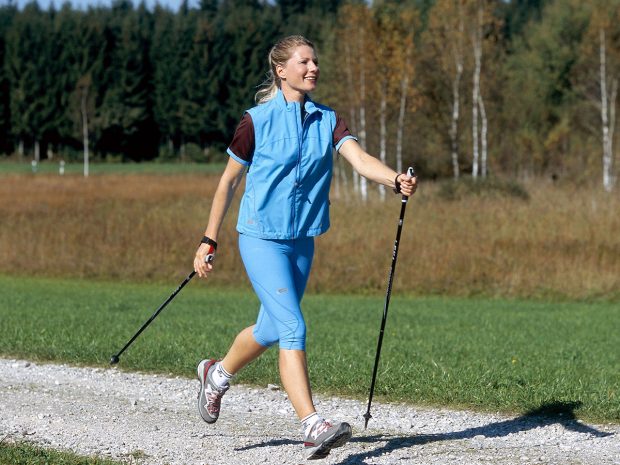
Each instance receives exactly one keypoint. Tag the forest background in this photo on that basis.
(513, 89)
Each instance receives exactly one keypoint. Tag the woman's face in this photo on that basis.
(300, 73)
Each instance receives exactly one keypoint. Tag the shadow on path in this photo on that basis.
(555, 413)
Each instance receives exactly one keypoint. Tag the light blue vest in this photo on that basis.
(287, 186)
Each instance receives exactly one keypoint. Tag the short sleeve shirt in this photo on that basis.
(242, 144)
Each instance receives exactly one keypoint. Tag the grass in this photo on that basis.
(484, 354)
(556, 243)
(52, 167)
(23, 453)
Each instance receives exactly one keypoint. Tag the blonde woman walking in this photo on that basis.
(284, 148)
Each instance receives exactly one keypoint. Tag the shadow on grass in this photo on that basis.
(555, 413)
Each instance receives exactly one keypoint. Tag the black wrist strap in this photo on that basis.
(208, 240)
(397, 184)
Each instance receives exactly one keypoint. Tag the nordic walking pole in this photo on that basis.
(367, 415)
(115, 358)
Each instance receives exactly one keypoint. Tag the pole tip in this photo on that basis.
(367, 417)
(114, 360)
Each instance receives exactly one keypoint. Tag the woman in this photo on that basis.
(285, 145)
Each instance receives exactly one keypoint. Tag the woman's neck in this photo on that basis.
(291, 95)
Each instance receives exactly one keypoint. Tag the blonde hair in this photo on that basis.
(278, 55)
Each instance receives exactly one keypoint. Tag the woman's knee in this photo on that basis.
(293, 337)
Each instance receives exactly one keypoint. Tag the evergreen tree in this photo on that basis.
(28, 55)
(7, 13)
(125, 106)
(167, 57)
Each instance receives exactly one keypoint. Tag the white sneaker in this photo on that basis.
(324, 436)
(209, 396)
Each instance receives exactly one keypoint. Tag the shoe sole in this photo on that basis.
(201, 374)
(339, 439)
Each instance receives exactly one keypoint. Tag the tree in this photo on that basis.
(395, 26)
(124, 105)
(596, 78)
(28, 62)
(7, 13)
(539, 95)
(171, 45)
(444, 45)
(481, 27)
(355, 34)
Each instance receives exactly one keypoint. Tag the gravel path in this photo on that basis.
(147, 419)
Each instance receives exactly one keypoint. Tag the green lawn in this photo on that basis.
(493, 355)
(28, 454)
(97, 168)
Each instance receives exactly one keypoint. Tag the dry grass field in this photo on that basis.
(561, 243)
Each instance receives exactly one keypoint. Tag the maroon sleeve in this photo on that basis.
(242, 145)
(341, 130)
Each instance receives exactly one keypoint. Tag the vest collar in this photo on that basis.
(309, 105)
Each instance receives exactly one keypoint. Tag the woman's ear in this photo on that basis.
(280, 72)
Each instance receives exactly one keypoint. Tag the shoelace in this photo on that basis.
(318, 430)
(214, 399)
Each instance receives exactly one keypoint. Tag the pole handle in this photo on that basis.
(410, 173)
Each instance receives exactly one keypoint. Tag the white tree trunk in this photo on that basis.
(84, 109)
(404, 85)
(362, 137)
(20, 148)
(454, 125)
(483, 137)
(477, 47)
(607, 129)
(363, 189)
(37, 152)
(352, 119)
(456, 94)
(383, 132)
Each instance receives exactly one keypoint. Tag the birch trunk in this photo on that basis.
(605, 123)
(84, 110)
(477, 46)
(383, 132)
(362, 138)
(454, 125)
(404, 85)
(456, 94)
(37, 152)
(483, 137)
(353, 119)
(20, 148)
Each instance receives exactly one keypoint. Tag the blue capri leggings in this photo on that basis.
(278, 270)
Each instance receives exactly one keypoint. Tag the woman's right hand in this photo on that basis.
(203, 261)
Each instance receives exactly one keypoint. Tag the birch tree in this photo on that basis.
(83, 89)
(608, 112)
(479, 136)
(406, 55)
(353, 41)
(395, 30)
(599, 74)
(606, 20)
(445, 41)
